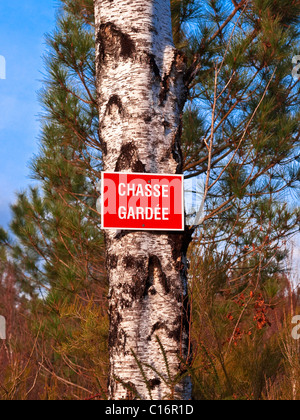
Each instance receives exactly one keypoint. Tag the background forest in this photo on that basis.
(240, 141)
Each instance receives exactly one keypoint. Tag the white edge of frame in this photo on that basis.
(142, 229)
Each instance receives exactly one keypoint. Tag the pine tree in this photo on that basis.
(238, 71)
(240, 136)
(59, 250)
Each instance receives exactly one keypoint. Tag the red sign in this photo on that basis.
(142, 201)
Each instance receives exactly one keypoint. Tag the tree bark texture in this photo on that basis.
(141, 93)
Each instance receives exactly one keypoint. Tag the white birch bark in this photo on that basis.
(141, 93)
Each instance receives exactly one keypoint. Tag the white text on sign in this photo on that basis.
(142, 201)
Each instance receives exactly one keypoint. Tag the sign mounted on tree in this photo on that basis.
(138, 201)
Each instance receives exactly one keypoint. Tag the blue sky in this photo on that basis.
(23, 24)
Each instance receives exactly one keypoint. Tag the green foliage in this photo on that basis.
(59, 251)
(241, 331)
(239, 76)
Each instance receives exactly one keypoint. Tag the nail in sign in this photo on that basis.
(136, 201)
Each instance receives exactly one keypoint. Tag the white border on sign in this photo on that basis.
(141, 229)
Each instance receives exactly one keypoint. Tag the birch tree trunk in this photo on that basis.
(141, 93)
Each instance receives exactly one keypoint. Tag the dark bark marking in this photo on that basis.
(149, 281)
(154, 263)
(167, 127)
(138, 167)
(176, 149)
(136, 290)
(179, 244)
(165, 86)
(154, 66)
(129, 159)
(117, 336)
(165, 282)
(103, 144)
(148, 119)
(153, 383)
(176, 333)
(129, 262)
(115, 43)
(135, 30)
(187, 239)
(166, 124)
(122, 234)
(156, 327)
(152, 291)
(132, 393)
(114, 100)
(177, 70)
(175, 76)
(112, 262)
